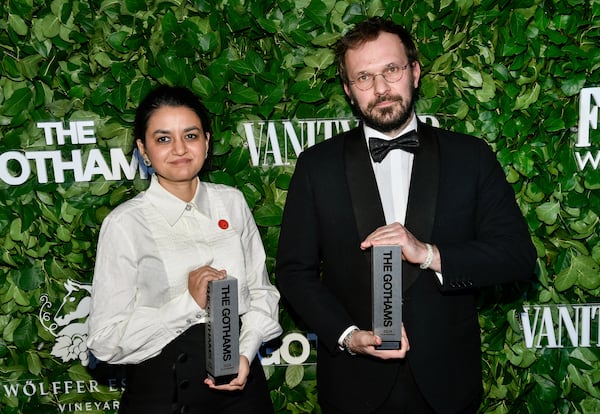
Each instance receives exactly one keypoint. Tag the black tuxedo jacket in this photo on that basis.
(460, 200)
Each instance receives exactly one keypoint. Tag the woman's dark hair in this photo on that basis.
(167, 96)
(369, 30)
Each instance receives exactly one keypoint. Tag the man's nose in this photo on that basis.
(380, 85)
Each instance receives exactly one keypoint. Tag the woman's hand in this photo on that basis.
(198, 282)
(236, 384)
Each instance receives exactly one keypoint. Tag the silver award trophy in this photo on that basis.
(222, 330)
(386, 288)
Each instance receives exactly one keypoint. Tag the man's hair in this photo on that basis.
(369, 30)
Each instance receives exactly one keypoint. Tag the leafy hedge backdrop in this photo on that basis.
(509, 72)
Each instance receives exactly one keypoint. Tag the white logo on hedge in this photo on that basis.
(275, 142)
(589, 102)
(16, 168)
(69, 324)
(557, 326)
(306, 343)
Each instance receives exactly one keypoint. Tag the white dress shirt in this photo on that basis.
(146, 249)
(393, 176)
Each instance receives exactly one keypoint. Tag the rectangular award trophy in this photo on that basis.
(222, 330)
(386, 289)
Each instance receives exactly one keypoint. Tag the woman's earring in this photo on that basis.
(147, 161)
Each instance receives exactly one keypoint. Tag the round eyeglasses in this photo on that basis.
(391, 74)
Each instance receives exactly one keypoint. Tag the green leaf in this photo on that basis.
(269, 26)
(527, 98)
(100, 188)
(243, 94)
(29, 278)
(116, 40)
(16, 232)
(220, 177)
(582, 270)
(59, 271)
(326, 39)
(554, 124)
(268, 215)
(472, 76)
(587, 269)
(17, 23)
(548, 212)
(294, 375)
(134, 6)
(118, 97)
(49, 26)
(103, 59)
(208, 42)
(25, 333)
(238, 160)
(283, 181)
(18, 102)
(320, 60)
(573, 85)
(242, 67)
(34, 363)
(3, 348)
(583, 381)
(139, 89)
(546, 389)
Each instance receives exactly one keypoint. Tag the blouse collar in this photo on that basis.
(172, 207)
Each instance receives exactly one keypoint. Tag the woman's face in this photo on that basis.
(176, 145)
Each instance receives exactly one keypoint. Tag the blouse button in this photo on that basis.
(188, 207)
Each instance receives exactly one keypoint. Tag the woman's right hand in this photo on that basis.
(198, 282)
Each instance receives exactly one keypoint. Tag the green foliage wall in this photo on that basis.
(509, 72)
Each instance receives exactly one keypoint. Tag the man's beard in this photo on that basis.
(390, 118)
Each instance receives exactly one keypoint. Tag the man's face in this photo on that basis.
(386, 106)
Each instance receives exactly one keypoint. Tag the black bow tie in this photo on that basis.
(380, 147)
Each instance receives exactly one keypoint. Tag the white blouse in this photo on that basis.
(146, 249)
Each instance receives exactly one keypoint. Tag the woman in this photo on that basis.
(156, 254)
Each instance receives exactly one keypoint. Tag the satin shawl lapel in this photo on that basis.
(366, 203)
(422, 199)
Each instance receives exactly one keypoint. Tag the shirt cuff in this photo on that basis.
(343, 335)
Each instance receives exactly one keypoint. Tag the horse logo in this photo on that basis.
(69, 324)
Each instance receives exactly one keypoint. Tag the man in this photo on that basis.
(445, 201)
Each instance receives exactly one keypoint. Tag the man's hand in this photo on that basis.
(413, 250)
(364, 342)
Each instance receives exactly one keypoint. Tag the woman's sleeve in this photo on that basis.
(260, 322)
(120, 330)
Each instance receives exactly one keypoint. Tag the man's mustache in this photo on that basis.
(385, 98)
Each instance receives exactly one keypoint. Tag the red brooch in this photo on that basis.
(223, 224)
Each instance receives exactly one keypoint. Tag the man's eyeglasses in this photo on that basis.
(391, 74)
